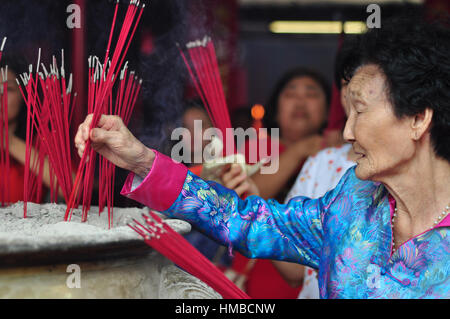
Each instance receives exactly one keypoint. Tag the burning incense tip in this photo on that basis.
(39, 60)
(45, 70)
(63, 72)
(5, 74)
(198, 43)
(3, 44)
(69, 87)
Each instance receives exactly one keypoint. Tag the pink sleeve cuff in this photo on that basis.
(161, 187)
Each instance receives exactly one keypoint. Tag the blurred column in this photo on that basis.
(79, 68)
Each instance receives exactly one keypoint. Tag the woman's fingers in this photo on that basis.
(83, 135)
(231, 172)
(102, 136)
(225, 169)
(80, 141)
(110, 122)
(98, 135)
(80, 150)
(242, 188)
(85, 127)
(234, 177)
(112, 139)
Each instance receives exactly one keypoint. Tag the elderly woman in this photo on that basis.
(383, 231)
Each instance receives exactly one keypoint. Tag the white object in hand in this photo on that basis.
(212, 168)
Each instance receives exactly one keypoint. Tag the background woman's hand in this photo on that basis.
(112, 139)
(333, 138)
(309, 146)
(235, 178)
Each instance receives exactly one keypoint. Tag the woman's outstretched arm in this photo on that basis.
(255, 227)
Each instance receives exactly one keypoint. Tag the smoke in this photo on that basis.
(165, 74)
(30, 24)
(33, 24)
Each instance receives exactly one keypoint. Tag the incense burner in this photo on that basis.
(42, 256)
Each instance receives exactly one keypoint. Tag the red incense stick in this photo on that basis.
(4, 137)
(126, 97)
(100, 90)
(204, 72)
(48, 99)
(163, 238)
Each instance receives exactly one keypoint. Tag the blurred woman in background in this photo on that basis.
(298, 107)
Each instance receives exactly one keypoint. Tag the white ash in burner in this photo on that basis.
(45, 227)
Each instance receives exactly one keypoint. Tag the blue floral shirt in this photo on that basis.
(346, 234)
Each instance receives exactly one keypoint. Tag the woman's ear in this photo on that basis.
(421, 123)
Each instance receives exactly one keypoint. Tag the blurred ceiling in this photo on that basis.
(256, 15)
(308, 2)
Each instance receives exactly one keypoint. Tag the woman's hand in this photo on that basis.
(235, 178)
(112, 139)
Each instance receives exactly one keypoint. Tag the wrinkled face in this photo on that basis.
(382, 142)
(301, 107)
(14, 97)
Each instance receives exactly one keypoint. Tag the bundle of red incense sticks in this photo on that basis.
(4, 136)
(50, 107)
(49, 111)
(160, 236)
(122, 104)
(203, 69)
(102, 78)
(126, 99)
